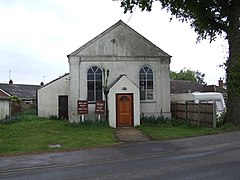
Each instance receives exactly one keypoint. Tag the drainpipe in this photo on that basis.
(79, 76)
(161, 74)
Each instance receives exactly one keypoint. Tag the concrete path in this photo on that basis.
(130, 135)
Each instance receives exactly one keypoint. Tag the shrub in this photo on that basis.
(53, 117)
(31, 112)
(221, 119)
(9, 119)
(161, 120)
(90, 122)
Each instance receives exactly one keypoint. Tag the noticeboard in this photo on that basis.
(82, 107)
(100, 107)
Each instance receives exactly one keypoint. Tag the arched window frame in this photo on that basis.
(94, 84)
(146, 83)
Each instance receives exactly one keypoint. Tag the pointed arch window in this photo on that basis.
(146, 83)
(94, 84)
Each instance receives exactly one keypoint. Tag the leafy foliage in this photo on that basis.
(200, 77)
(15, 99)
(183, 75)
(105, 89)
(90, 123)
(209, 19)
(195, 76)
(159, 128)
(19, 116)
(8, 120)
(221, 119)
(160, 120)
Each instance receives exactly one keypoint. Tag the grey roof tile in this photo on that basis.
(184, 86)
(21, 90)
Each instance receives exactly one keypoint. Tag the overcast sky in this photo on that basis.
(37, 35)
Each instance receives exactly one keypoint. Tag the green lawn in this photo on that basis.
(164, 131)
(32, 134)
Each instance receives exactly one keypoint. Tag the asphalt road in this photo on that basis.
(207, 157)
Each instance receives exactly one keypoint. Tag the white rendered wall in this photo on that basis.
(122, 52)
(4, 108)
(128, 66)
(48, 96)
(118, 89)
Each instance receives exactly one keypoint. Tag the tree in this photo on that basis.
(16, 106)
(209, 18)
(195, 76)
(105, 90)
(183, 75)
(200, 77)
(15, 99)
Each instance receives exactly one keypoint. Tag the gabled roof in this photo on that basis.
(214, 88)
(120, 27)
(21, 90)
(66, 74)
(4, 94)
(184, 86)
(116, 80)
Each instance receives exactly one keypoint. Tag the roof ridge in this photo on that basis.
(109, 30)
(55, 80)
(115, 81)
(96, 38)
(19, 84)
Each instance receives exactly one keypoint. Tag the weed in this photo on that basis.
(161, 120)
(53, 117)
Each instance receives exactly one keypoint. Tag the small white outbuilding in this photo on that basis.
(4, 104)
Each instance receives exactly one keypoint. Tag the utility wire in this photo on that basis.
(126, 23)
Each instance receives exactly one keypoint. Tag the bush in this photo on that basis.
(21, 116)
(31, 112)
(221, 119)
(162, 121)
(9, 119)
(53, 117)
(90, 123)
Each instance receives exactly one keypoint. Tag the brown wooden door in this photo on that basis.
(124, 110)
(63, 107)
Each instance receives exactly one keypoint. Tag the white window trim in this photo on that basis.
(154, 87)
(92, 102)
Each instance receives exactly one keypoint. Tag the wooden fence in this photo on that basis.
(202, 114)
(15, 108)
(20, 107)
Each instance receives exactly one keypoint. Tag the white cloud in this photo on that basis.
(36, 36)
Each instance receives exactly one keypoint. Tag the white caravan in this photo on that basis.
(199, 97)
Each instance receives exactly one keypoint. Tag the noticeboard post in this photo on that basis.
(82, 107)
(99, 108)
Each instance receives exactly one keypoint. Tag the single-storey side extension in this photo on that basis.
(4, 104)
(53, 98)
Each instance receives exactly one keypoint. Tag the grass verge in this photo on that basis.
(169, 131)
(31, 134)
